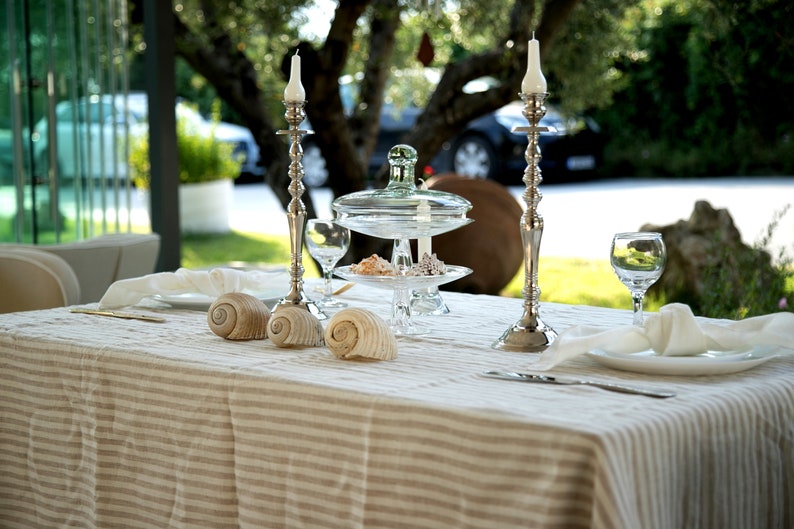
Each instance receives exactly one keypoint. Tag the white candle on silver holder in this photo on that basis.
(295, 93)
(534, 82)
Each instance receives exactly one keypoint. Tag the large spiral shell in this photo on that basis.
(294, 325)
(238, 316)
(354, 333)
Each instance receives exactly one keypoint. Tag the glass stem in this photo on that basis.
(327, 272)
(637, 296)
(401, 308)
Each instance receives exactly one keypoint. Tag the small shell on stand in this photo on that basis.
(238, 316)
(294, 325)
(354, 333)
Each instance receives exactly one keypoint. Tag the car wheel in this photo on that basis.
(315, 174)
(473, 156)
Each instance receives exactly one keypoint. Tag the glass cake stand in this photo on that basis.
(402, 321)
(402, 212)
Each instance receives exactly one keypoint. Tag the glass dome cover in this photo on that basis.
(401, 210)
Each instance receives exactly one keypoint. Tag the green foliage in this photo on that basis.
(203, 250)
(706, 91)
(202, 158)
(760, 290)
(579, 281)
(680, 87)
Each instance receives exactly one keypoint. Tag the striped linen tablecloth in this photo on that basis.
(121, 423)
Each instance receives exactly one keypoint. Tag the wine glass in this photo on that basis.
(327, 243)
(638, 259)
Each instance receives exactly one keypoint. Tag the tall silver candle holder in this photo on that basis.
(296, 210)
(530, 333)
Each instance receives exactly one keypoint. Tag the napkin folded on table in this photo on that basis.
(212, 283)
(673, 331)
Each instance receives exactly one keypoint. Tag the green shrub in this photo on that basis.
(202, 158)
(761, 290)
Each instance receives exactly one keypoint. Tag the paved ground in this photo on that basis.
(581, 218)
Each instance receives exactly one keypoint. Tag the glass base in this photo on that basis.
(330, 303)
(428, 302)
(409, 328)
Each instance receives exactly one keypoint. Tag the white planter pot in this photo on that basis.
(205, 207)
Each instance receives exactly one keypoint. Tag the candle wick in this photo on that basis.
(297, 50)
(533, 35)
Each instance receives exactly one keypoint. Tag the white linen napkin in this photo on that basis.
(211, 283)
(673, 331)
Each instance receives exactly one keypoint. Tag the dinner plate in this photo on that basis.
(202, 302)
(709, 363)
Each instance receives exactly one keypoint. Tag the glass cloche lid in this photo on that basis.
(400, 210)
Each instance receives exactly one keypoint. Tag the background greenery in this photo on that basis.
(680, 87)
(595, 282)
(706, 91)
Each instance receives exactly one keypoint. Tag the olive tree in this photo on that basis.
(236, 46)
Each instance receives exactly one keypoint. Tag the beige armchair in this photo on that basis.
(100, 261)
(34, 279)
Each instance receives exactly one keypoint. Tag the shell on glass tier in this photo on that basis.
(238, 316)
(355, 333)
(294, 325)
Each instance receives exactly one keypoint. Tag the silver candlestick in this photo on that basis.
(296, 210)
(530, 334)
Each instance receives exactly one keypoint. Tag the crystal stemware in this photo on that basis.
(638, 259)
(327, 242)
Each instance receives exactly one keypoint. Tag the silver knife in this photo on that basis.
(117, 314)
(549, 379)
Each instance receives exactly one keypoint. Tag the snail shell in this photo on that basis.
(354, 333)
(238, 316)
(294, 325)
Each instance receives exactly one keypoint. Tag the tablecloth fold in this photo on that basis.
(673, 331)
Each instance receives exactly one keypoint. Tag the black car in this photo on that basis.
(487, 148)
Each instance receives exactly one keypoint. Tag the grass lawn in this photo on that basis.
(563, 280)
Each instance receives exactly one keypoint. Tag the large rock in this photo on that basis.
(708, 265)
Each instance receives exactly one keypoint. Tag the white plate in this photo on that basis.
(202, 302)
(710, 363)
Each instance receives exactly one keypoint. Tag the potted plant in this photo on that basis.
(207, 169)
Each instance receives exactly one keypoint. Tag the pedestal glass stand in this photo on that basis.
(401, 212)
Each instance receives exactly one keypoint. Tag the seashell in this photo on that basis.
(238, 316)
(354, 333)
(294, 325)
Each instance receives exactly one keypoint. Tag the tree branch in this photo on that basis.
(449, 109)
(365, 120)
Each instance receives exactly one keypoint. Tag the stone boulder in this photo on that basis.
(708, 265)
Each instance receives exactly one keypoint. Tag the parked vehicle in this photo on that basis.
(91, 135)
(487, 147)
